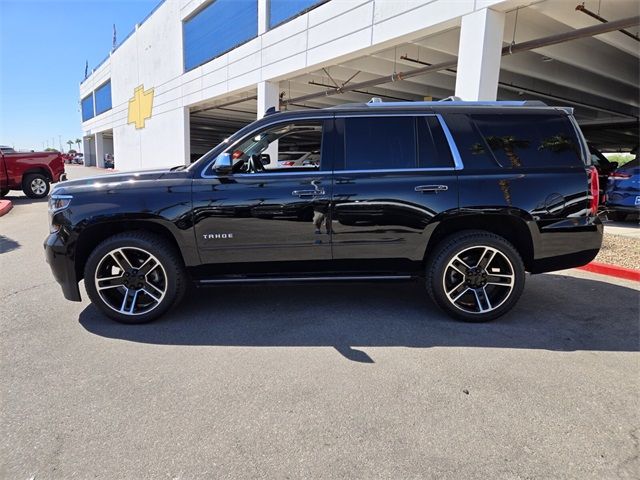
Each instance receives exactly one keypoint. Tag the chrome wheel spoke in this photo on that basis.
(149, 265)
(120, 258)
(500, 279)
(150, 294)
(459, 265)
(484, 304)
(486, 257)
(156, 290)
(455, 293)
(110, 282)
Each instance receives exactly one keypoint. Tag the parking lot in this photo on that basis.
(317, 381)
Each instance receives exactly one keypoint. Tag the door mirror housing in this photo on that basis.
(265, 158)
(223, 163)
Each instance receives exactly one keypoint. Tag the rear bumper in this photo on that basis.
(62, 266)
(567, 244)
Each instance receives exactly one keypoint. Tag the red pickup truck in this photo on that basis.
(31, 172)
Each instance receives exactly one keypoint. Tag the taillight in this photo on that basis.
(594, 189)
(619, 175)
(288, 164)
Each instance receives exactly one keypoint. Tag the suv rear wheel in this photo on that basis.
(134, 277)
(35, 185)
(475, 276)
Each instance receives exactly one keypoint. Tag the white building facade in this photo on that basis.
(196, 70)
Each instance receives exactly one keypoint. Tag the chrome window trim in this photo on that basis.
(397, 170)
(268, 125)
(457, 159)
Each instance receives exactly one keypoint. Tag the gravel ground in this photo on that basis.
(619, 250)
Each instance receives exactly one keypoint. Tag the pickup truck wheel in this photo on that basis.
(475, 276)
(134, 277)
(35, 185)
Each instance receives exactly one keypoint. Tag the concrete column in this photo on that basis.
(263, 16)
(99, 145)
(187, 135)
(269, 96)
(479, 55)
(88, 151)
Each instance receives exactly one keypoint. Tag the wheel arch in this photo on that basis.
(39, 169)
(513, 228)
(91, 236)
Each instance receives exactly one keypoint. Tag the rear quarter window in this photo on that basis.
(528, 141)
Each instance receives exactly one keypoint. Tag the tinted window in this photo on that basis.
(529, 140)
(103, 98)
(471, 146)
(87, 108)
(433, 149)
(219, 27)
(290, 147)
(282, 10)
(373, 143)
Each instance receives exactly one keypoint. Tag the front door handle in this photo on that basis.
(308, 193)
(431, 188)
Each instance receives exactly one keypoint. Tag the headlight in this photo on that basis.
(56, 204)
(59, 202)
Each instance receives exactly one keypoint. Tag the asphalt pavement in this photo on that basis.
(316, 381)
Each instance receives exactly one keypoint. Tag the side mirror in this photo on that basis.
(223, 163)
(265, 158)
(614, 165)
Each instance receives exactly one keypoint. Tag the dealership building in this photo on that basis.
(194, 71)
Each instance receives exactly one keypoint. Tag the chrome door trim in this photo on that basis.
(457, 159)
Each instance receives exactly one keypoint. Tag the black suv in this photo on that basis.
(465, 195)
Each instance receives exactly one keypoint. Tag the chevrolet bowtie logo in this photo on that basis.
(140, 106)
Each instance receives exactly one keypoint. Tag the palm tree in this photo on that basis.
(78, 142)
(70, 143)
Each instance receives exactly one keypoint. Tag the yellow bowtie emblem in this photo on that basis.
(140, 106)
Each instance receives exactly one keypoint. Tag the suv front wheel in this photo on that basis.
(475, 276)
(134, 277)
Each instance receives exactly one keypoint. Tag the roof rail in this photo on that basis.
(446, 102)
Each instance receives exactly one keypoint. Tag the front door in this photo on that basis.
(270, 213)
(395, 180)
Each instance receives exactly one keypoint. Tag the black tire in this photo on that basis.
(133, 243)
(617, 216)
(472, 289)
(3, 192)
(36, 185)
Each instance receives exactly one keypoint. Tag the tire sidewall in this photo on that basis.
(151, 244)
(459, 243)
(27, 187)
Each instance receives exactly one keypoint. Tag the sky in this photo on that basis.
(43, 48)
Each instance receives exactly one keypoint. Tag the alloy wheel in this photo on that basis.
(38, 186)
(478, 279)
(131, 281)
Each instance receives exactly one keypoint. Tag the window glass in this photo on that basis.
(287, 147)
(282, 10)
(433, 148)
(87, 107)
(103, 98)
(471, 146)
(373, 143)
(219, 27)
(529, 140)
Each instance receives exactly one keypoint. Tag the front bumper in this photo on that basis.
(62, 266)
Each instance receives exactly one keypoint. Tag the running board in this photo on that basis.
(338, 278)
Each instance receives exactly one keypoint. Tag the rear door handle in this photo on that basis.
(307, 193)
(431, 188)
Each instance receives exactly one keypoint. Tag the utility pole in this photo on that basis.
(60, 143)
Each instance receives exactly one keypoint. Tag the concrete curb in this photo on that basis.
(5, 206)
(612, 271)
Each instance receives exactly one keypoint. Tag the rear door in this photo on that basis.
(394, 177)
